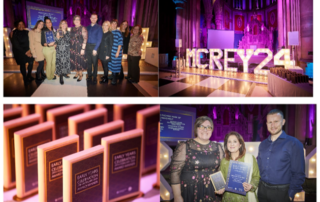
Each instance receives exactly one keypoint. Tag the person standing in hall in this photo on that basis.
(281, 163)
(134, 54)
(94, 39)
(22, 54)
(63, 51)
(124, 28)
(36, 48)
(116, 53)
(78, 41)
(105, 49)
(49, 50)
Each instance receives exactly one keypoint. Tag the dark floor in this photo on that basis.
(14, 86)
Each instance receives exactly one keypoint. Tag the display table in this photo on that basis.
(146, 186)
(296, 69)
(280, 87)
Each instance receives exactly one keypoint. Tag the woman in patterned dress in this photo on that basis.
(134, 54)
(192, 163)
(63, 51)
(235, 149)
(78, 41)
(116, 52)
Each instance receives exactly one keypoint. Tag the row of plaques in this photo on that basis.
(76, 155)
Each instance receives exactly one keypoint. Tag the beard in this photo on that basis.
(276, 132)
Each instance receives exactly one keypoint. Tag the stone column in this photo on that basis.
(218, 10)
(280, 24)
(179, 23)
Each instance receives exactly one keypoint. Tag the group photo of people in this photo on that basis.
(71, 51)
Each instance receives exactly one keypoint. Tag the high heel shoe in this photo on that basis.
(76, 76)
(80, 78)
(61, 79)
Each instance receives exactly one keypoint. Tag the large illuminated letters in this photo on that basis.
(258, 70)
(286, 62)
(226, 59)
(203, 66)
(195, 54)
(191, 53)
(215, 59)
(246, 58)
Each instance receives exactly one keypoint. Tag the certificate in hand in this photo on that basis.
(238, 173)
(218, 181)
(49, 36)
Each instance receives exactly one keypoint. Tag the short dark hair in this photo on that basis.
(114, 20)
(76, 16)
(242, 149)
(94, 14)
(276, 111)
(199, 121)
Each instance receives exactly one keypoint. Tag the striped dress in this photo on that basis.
(115, 64)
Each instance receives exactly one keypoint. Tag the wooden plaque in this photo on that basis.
(147, 120)
(26, 142)
(79, 123)
(122, 165)
(109, 108)
(60, 117)
(50, 166)
(127, 113)
(42, 110)
(83, 175)
(9, 128)
(13, 113)
(93, 136)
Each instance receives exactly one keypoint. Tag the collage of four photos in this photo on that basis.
(70, 133)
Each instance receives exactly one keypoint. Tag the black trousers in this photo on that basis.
(91, 60)
(133, 68)
(273, 193)
(23, 67)
(105, 67)
(40, 67)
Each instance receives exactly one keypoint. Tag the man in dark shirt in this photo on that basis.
(281, 163)
(94, 39)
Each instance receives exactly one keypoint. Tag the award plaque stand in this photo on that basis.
(16, 198)
(141, 194)
(5, 189)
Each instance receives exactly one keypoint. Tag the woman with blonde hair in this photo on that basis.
(63, 51)
(105, 49)
(235, 149)
(78, 42)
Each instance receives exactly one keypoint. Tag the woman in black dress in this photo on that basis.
(22, 52)
(124, 28)
(105, 49)
(78, 42)
(192, 163)
(63, 51)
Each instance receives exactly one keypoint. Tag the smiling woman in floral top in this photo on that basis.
(192, 163)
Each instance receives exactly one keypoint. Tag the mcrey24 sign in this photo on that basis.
(214, 59)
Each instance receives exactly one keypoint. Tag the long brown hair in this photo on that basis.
(242, 149)
(126, 33)
(36, 26)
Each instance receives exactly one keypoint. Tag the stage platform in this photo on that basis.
(14, 86)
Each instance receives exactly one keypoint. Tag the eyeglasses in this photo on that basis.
(201, 127)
